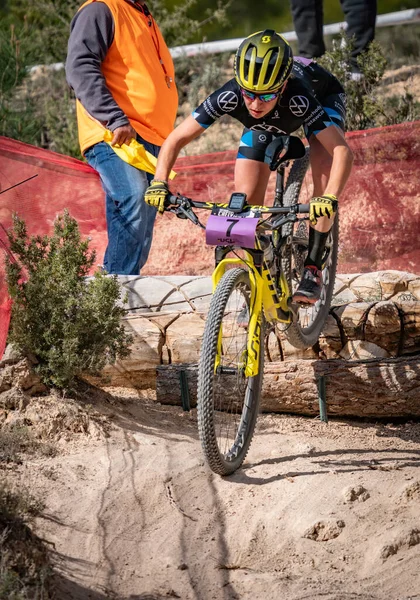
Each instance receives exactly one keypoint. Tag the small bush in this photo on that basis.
(362, 96)
(25, 570)
(17, 439)
(69, 324)
(366, 106)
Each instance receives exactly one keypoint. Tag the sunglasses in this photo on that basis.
(262, 97)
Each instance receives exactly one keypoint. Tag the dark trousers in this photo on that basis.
(308, 20)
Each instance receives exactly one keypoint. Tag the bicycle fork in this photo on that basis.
(263, 296)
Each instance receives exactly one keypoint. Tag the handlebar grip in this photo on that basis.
(173, 200)
(303, 208)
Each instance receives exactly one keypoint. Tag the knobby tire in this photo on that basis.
(306, 328)
(227, 405)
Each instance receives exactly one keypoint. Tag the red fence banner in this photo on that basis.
(379, 209)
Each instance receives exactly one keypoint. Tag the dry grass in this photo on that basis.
(25, 570)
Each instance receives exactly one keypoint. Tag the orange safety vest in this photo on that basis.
(137, 70)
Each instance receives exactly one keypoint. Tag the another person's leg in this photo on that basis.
(129, 219)
(361, 19)
(308, 20)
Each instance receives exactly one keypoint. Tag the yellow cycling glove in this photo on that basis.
(322, 206)
(156, 194)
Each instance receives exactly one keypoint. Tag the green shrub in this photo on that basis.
(398, 109)
(361, 95)
(366, 105)
(69, 324)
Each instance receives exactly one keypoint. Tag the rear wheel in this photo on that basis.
(228, 401)
(309, 320)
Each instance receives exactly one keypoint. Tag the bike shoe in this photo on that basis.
(243, 317)
(309, 290)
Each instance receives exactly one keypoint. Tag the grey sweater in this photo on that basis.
(92, 33)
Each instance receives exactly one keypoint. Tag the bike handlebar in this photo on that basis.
(183, 201)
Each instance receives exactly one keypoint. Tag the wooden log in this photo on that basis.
(387, 388)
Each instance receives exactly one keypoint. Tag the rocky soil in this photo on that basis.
(319, 510)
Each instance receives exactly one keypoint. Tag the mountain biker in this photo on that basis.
(273, 94)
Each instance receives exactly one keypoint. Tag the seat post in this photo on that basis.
(278, 196)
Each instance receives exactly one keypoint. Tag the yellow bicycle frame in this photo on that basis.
(264, 297)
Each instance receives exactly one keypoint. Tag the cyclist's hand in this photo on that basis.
(156, 194)
(322, 206)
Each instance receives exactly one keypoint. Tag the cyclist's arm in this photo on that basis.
(335, 144)
(187, 131)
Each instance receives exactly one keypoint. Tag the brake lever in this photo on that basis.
(290, 218)
(188, 214)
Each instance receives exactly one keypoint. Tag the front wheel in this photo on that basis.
(228, 400)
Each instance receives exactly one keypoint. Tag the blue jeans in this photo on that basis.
(129, 219)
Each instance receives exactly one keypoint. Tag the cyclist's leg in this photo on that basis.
(309, 289)
(251, 172)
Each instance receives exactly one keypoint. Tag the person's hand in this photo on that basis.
(322, 206)
(123, 135)
(156, 194)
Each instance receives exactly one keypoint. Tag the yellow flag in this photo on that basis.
(135, 154)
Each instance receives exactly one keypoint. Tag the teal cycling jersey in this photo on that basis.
(313, 98)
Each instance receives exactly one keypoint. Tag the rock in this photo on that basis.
(13, 399)
(11, 356)
(345, 296)
(405, 541)
(357, 493)
(367, 288)
(21, 375)
(330, 339)
(352, 317)
(383, 327)
(138, 369)
(411, 493)
(322, 531)
(392, 282)
(174, 293)
(183, 338)
(360, 350)
(414, 288)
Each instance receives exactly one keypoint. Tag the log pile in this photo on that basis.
(380, 388)
(374, 315)
(371, 340)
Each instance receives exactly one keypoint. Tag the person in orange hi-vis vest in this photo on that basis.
(122, 74)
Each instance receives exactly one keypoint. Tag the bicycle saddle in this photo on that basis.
(282, 149)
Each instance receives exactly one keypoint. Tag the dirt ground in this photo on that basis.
(319, 511)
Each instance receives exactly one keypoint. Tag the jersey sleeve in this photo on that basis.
(92, 33)
(223, 101)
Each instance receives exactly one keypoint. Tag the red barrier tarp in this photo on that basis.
(379, 210)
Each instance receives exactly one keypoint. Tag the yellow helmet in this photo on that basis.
(263, 62)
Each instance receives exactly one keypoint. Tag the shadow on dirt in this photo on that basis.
(137, 411)
(65, 589)
(326, 462)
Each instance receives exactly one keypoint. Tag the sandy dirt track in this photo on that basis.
(318, 511)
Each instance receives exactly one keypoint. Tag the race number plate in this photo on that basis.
(231, 231)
